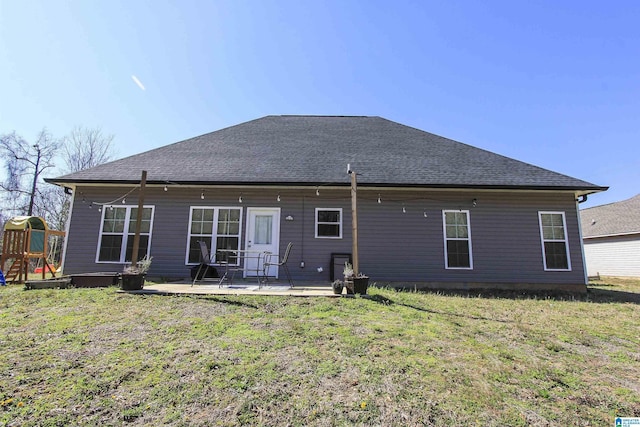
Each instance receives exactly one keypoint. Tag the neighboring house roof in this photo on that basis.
(315, 150)
(613, 219)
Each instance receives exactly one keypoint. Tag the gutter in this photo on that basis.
(581, 191)
(604, 236)
(582, 198)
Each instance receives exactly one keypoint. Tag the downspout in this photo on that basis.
(67, 227)
(302, 236)
(584, 260)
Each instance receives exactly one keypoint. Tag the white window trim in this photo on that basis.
(125, 234)
(565, 240)
(216, 211)
(445, 239)
(315, 220)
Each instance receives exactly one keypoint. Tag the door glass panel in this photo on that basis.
(229, 221)
(114, 220)
(262, 235)
(142, 248)
(110, 248)
(224, 242)
(145, 224)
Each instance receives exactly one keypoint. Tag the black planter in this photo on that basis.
(132, 282)
(360, 285)
(94, 280)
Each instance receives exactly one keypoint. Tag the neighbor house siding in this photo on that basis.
(393, 246)
(613, 256)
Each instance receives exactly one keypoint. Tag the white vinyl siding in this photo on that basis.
(555, 245)
(328, 223)
(218, 227)
(457, 240)
(613, 256)
(117, 231)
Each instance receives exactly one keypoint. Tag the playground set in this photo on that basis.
(28, 238)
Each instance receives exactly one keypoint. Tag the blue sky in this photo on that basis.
(555, 84)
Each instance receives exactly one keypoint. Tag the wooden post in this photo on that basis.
(25, 255)
(136, 236)
(354, 222)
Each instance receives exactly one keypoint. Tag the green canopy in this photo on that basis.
(24, 222)
(37, 225)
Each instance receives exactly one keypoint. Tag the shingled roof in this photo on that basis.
(315, 150)
(613, 219)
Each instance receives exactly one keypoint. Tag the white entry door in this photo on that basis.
(263, 235)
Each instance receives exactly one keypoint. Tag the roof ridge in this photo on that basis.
(618, 203)
(319, 115)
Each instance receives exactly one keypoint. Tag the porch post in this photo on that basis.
(136, 236)
(354, 220)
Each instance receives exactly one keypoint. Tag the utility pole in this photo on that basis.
(136, 236)
(354, 220)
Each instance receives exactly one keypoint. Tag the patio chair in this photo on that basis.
(206, 260)
(273, 259)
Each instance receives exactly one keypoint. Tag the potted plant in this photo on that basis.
(132, 277)
(360, 284)
(347, 272)
(337, 286)
(355, 283)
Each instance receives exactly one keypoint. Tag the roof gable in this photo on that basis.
(316, 150)
(612, 219)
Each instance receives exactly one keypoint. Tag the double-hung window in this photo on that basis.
(219, 228)
(457, 240)
(117, 233)
(329, 223)
(555, 247)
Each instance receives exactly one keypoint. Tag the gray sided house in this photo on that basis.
(611, 236)
(432, 212)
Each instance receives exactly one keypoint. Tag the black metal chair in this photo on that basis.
(270, 261)
(206, 261)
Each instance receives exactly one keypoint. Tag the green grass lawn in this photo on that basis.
(98, 357)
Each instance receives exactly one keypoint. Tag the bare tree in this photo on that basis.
(85, 148)
(24, 164)
(53, 205)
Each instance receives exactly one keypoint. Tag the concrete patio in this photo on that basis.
(240, 287)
